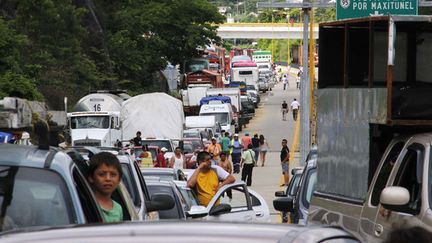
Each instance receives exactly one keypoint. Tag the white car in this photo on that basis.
(246, 205)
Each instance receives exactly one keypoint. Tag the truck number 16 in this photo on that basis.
(97, 107)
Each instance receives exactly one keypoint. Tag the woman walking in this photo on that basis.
(264, 147)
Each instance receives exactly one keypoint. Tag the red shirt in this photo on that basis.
(246, 140)
(161, 162)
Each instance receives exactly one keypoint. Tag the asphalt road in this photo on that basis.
(268, 121)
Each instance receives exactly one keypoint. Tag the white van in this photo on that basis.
(207, 125)
(223, 114)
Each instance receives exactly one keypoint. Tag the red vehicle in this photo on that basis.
(205, 77)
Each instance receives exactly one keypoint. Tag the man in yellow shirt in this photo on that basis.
(214, 149)
(206, 178)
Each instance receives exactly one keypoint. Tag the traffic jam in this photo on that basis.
(157, 168)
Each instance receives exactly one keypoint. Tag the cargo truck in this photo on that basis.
(374, 120)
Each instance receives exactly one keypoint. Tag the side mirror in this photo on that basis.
(197, 212)
(220, 209)
(284, 204)
(393, 197)
(160, 201)
(280, 194)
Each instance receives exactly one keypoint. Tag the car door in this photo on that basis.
(260, 207)
(407, 173)
(241, 206)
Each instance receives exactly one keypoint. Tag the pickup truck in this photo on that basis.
(400, 193)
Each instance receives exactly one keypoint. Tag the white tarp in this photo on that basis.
(156, 115)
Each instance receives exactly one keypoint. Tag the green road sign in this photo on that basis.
(347, 9)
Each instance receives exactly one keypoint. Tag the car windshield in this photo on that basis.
(194, 134)
(250, 87)
(222, 118)
(196, 65)
(158, 143)
(33, 197)
(83, 122)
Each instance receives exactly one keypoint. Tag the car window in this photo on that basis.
(158, 176)
(310, 187)
(409, 176)
(130, 184)
(292, 189)
(385, 171)
(172, 213)
(238, 200)
(158, 143)
(255, 201)
(85, 195)
(33, 197)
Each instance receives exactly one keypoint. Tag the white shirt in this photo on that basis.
(295, 105)
(178, 162)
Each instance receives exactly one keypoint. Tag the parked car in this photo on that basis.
(298, 206)
(163, 174)
(47, 187)
(185, 232)
(263, 84)
(291, 190)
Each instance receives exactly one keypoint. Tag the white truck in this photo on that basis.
(207, 125)
(234, 94)
(245, 72)
(96, 119)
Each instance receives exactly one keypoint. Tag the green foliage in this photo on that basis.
(68, 47)
(17, 85)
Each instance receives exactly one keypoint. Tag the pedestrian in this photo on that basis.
(284, 81)
(104, 174)
(205, 179)
(256, 146)
(246, 140)
(236, 151)
(178, 161)
(247, 164)
(284, 110)
(192, 164)
(225, 143)
(137, 145)
(264, 147)
(284, 157)
(295, 107)
(146, 158)
(160, 158)
(225, 164)
(298, 79)
(214, 149)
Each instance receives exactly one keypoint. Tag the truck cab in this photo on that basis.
(222, 113)
(95, 128)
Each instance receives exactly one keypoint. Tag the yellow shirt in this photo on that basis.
(146, 160)
(214, 149)
(207, 186)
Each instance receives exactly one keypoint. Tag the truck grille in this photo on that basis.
(88, 142)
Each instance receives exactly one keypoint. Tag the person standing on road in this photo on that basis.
(160, 158)
(205, 179)
(298, 79)
(295, 107)
(284, 109)
(225, 143)
(236, 151)
(247, 164)
(256, 146)
(137, 145)
(284, 157)
(246, 140)
(264, 147)
(178, 161)
(225, 164)
(284, 81)
(214, 149)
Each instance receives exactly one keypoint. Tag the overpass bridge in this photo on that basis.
(262, 31)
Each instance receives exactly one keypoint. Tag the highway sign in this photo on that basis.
(346, 9)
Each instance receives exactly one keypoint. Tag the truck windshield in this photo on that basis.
(196, 65)
(32, 197)
(222, 118)
(83, 122)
